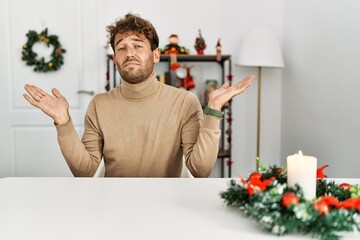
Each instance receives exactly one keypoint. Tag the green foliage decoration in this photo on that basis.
(31, 58)
(305, 216)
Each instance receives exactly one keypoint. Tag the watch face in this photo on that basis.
(180, 73)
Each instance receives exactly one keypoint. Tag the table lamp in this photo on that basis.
(260, 48)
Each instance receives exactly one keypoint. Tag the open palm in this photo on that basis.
(222, 95)
(55, 106)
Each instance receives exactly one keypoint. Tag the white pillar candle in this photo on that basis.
(301, 170)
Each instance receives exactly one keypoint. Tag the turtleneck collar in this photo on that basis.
(140, 90)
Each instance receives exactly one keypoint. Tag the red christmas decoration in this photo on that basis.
(200, 44)
(229, 162)
(255, 184)
(255, 176)
(319, 172)
(345, 186)
(280, 171)
(322, 207)
(188, 82)
(288, 199)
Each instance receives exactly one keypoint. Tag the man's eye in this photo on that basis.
(121, 49)
(138, 46)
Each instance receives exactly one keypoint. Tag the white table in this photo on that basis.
(123, 208)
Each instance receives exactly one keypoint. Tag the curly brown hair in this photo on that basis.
(133, 23)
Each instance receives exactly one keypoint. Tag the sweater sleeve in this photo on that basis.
(82, 156)
(200, 140)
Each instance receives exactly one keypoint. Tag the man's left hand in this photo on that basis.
(222, 95)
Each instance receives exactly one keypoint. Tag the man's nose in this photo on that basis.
(130, 52)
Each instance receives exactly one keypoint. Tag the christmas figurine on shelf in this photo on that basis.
(200, 44)
(218, 51)
(173, 48)
(186, 81)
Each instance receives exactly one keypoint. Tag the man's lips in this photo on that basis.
(131, 63)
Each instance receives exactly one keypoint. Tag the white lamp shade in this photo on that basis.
(260, 48)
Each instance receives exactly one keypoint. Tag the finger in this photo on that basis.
(249, 79)
(246, 82)
(56, 93)
(33, 92)
(40, 91)
(30, 100)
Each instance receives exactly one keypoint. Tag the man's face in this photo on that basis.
(134, 58)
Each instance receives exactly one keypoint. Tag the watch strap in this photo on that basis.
(213, 112)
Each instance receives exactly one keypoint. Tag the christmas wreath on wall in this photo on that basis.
(31, 58)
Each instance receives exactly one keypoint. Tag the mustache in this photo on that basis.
(131, 61)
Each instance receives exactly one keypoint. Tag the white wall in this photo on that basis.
(321, 83)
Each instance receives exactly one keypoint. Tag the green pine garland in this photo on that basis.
(30, 57)
(267, 209)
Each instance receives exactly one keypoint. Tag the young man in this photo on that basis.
(143, 127)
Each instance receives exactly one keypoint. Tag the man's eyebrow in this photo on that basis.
(135, 39)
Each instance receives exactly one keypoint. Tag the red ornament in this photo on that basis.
(280, 171)
(345, 186)
(188, 82)
(229, 162)
(322, 207)
(288, 199)
(230, 77)
(319, 172)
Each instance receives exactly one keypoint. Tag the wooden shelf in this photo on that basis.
(224, 153)
(195, 58)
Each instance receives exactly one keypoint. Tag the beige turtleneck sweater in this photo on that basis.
(142, 130)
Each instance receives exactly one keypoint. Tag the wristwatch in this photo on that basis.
(213, 112)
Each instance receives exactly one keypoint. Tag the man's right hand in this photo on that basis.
(55, 106)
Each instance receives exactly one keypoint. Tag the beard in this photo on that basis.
(136, 74)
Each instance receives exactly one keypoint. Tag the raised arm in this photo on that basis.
(82, 160)
(201, 146)
(55, 106)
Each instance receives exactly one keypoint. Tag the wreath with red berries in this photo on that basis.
(31, 58)
(280, 209)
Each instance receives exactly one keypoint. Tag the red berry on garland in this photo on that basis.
(322, 207)
(280, 171)
(289, 198)
(345, 186)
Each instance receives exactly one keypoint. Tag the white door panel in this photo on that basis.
(28, 144)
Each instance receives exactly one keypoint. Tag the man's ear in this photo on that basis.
(156, 53)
